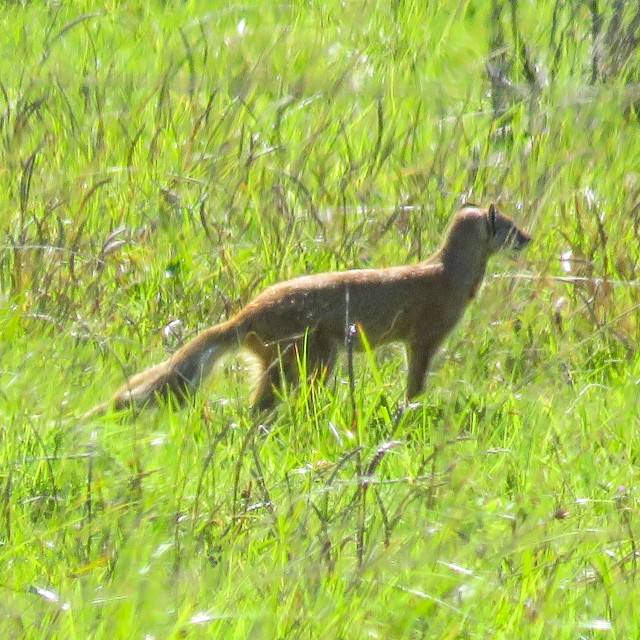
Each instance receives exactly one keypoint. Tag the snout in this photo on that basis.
(519, 240)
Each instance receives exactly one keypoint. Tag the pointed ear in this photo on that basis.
(492, 218)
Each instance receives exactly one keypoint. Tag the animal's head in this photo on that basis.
(476, 231)
(503, 231)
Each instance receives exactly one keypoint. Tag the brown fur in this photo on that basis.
(304, 319)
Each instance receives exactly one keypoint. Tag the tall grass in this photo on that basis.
(161, 163)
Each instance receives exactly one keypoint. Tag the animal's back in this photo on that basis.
(378, 300)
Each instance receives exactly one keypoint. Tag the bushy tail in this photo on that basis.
(178, 377)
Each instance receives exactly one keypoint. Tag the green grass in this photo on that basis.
(166, 161)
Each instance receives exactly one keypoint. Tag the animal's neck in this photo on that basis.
(464, 260)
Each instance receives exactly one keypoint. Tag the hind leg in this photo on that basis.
(264, 395)
(313, 356)
(272, 364)
(319, 359)
(264, 376)
(320, 356)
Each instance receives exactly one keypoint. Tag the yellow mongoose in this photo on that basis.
(304, 319)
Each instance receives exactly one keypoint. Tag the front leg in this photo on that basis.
(420, 355)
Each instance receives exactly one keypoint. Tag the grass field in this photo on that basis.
(162, 162)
